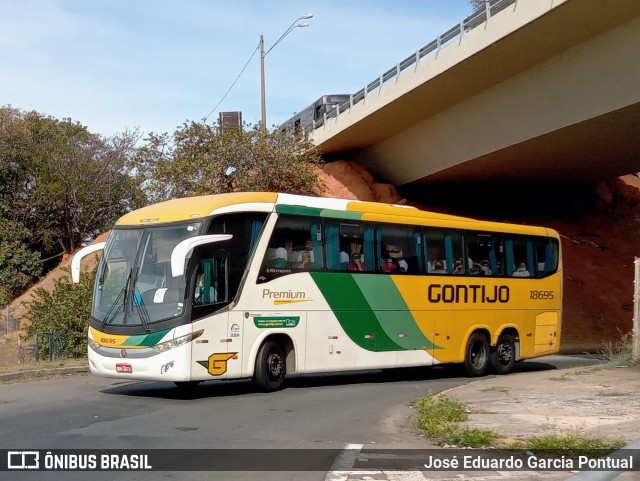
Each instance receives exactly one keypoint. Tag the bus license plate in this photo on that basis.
(126, 368)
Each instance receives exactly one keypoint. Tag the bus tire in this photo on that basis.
(270, 367)
(504, 354)
(477, 355)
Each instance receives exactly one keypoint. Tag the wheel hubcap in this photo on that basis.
(477, 355)
(504, 353)
(274, 365)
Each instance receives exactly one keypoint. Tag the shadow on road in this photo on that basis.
(244, 387)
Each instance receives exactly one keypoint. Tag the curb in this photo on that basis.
(43, 372)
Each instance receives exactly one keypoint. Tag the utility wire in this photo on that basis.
(234, 82)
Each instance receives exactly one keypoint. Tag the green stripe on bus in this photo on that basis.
(341, 214)
(392, 311)
(353, 311)
(317, 212)
(298, 210)
(145, 339)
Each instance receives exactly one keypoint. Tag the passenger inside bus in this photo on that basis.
(438, 267)
(282, 254)
(344, 260)
(521, 271)
(200, 295)
(458, 267)
(305, 260)
(484, 268)
(356, 263)
(390, 266)
(307, 253)
(403, 265)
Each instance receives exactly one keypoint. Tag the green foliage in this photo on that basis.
(205, 159)
(65, 310)
(19, 266)
(620, 353)
(475, 438)
(439, 417)
(572, 445)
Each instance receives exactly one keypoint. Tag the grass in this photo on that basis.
(571, 445)
(440, 419)
(619, 353)
(612, 394)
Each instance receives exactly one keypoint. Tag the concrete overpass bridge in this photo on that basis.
(545, 91)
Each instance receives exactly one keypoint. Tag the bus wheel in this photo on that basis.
(503, 356)
(270, 367)
(477, 355)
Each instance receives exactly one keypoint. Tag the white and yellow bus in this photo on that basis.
(261, 285)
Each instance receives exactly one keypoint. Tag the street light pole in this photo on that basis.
(262, 88)
(263, 54)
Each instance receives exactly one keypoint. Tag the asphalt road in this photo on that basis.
(327, 411)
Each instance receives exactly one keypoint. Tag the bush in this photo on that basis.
(619, 353)
(64, 311)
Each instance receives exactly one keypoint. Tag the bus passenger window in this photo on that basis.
(398, 248)
(484, 253)
(444, 245)
(295, 246)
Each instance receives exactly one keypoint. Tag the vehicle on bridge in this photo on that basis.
(261, 285)
(316, 114)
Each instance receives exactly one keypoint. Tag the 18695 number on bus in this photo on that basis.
(541, 295)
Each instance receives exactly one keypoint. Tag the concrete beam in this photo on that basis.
(539, 90)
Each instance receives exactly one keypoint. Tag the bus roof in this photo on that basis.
(192, 208)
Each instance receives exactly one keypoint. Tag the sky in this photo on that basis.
(152, 65)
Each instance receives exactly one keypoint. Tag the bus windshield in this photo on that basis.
(134, 286)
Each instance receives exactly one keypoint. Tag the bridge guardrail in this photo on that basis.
(475, 19)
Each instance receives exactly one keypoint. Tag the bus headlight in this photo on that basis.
(93, 344)
(177, 342)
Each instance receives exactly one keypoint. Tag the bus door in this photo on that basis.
(212, 352)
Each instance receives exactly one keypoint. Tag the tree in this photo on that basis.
(19, 266)
(80, 184)
(208, 159)
(63, 183)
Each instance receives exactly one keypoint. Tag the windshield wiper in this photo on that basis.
(142, 311)
(111, 314)
(136, 300)
(120, 303)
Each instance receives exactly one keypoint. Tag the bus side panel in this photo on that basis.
(546, 340)
(209, 352)
(374, 314)
(328, 346)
